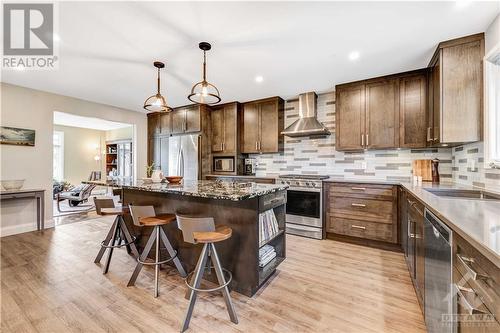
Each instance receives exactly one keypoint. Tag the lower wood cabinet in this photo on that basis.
(367, 211)
(477, 283)
(416, 246)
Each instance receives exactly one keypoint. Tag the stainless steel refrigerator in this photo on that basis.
(184, 157)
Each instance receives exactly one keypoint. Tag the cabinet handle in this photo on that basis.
(429, 134)
(358, 205)
(256, 145)
(467, 264)
(362, 140)
(358, 227)
(260, 145)
(367, 140)
(358, 188)
(465, 303)
(222, 144)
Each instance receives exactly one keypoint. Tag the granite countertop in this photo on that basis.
(241, 176)
(201, 188)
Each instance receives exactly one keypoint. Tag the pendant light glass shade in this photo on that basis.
(204, 92)
(157, 102)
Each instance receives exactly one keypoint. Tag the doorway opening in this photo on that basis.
(88, 149)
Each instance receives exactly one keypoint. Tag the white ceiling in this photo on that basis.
(107, 48)
(68, 119)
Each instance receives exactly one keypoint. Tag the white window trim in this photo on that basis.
(489, 116)
(61, 133)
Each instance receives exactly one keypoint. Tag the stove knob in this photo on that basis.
(313, 184)
(297, 183)
(287, 182)
(307, 183)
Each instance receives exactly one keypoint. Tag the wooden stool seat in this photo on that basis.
(221, 233)
(114, 211)
(152, 221)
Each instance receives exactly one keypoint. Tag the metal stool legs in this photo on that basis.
(116, 234)
(157, 236)
(208, 251)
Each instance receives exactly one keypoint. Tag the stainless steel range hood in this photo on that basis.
(307, 124)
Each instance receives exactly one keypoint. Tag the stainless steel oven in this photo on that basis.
(304, 213)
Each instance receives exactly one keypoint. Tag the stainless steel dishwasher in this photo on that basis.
(438, 276)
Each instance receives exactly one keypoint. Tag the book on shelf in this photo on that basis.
(268, 225)
(266, 254)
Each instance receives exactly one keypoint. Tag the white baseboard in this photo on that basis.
(22, 228)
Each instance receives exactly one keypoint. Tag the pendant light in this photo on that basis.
(157, 102)
(204, 92)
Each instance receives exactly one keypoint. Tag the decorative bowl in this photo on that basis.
(174, 179)
(156, 180)
(12, 184)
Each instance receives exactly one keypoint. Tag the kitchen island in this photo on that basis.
(237, 205)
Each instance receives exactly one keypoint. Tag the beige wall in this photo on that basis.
(125, 133)
(492, 34)
(79, 152)
(33, 109)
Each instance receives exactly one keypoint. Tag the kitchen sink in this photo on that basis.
(464, 194)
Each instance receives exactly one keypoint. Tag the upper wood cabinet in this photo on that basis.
(153, 124)
(456, 86)
(261, 126)
(413, 111)
(381, 113)
(186, 119)
(350, 117)
(224, 119)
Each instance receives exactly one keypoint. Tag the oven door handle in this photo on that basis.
(304, 189)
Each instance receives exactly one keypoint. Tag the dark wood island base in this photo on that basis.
(240, 253)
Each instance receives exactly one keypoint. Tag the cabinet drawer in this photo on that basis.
(361, 190)
(364, 209)
(468, 300)
(362, 229)
(272, 200)
(482, 275)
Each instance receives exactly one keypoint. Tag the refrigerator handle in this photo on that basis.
(200, 155)
(180, 162)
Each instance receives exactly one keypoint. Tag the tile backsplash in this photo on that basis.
(309, 155)
(468, 167)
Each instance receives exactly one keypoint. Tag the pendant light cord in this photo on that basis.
(204, 66)
(158, 81)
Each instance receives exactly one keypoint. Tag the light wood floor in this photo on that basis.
(49, 283)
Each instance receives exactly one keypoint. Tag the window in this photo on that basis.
(492, 108)
(58, 163)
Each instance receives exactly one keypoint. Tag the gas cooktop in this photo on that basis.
(311, 177)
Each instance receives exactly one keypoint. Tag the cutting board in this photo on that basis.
(423, 168)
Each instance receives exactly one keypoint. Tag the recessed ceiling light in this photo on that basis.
(259, 79)
(354, 55)
(461, 4)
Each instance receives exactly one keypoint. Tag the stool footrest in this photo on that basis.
(229, 278)
(119, 245)
(154, 263)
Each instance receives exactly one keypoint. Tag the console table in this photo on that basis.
(38, 195)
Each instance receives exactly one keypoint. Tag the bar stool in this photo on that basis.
(145, 216)
(203, 230)
(117, 234)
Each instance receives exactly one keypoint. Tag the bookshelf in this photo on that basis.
(275, 239)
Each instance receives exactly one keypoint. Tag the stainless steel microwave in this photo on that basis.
(224, 164)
